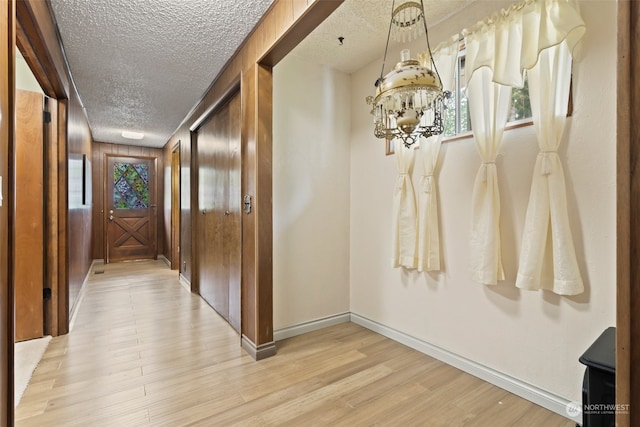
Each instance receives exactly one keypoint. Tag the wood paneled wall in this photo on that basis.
(37, 38)
(282, 27)
(100, 150)
(628, 206)
(79, 142)
(7, 85)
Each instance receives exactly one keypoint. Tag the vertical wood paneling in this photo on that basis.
(284, 25)
(263, 204)
(628, 227)
(7, 85)
(248, 135)
(79, 143)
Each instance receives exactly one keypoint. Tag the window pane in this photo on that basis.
(130, 186)
(520, 104)
(464, 119)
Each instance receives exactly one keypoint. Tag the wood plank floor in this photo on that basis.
(144, 351)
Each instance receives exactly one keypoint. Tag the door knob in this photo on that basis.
(110, 217)
(111, 211)
(226, 213)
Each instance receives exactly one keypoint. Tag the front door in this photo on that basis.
(130, 208)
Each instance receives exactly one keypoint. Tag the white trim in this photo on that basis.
(76, 305)
(186, 284)
(518, 387)
(165, 259)
(310, 326)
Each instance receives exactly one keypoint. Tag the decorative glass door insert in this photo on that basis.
(131, 185)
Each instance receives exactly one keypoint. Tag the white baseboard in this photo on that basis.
(186, 284)
(310, 326)
(78, 301)
(518, 387)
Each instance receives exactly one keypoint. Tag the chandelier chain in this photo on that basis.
(386, 48)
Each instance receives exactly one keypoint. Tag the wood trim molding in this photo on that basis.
(258, 352)
(7, 136)
(628, 220)
(63, 220)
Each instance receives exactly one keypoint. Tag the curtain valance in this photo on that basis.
(510, 41)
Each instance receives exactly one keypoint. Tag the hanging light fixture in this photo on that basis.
(409, 100)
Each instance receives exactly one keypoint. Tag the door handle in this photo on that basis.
(226, 213)
(110, 217)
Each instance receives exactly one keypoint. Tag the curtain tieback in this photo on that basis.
(428, 182)
(484, 169)
(546, 162)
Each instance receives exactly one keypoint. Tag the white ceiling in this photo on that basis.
(141, 65)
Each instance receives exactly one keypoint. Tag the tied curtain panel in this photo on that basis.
(404, 227)
(547, 216)
(445, 58)
(489, 105)
(535, 35)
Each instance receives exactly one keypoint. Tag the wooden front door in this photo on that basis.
(219, 206)
(29, 216)
(130, 208)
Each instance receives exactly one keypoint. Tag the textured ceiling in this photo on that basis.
(141, 65)
(364, 24)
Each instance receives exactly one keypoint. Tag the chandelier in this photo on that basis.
(409, 100)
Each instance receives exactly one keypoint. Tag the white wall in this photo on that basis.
(535, 337)
(311, 128)
(25, 79)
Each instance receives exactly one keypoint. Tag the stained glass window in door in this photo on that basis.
(130, 186)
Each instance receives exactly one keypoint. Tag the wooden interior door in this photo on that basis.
(130, 194)
(29, 216)
(219, 220)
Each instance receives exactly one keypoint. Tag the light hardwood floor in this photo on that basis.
(144, 351)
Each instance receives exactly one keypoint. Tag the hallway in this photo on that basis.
(144, 351)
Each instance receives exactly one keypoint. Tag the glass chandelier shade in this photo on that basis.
(409, 101)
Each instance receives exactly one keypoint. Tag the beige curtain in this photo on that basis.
(511, 40)
(404, 227)
(445, 57)
(489, 105)
(428, 224)
(499, 49)
(547, 231)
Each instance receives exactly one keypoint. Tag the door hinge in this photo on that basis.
(46, 117)
(46, 293)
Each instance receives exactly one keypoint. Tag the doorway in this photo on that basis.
(219, 247)
(130, 201)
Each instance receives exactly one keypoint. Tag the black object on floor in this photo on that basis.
(599, 384)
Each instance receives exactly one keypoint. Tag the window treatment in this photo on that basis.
(404, 227)
(428, 224)
(547, 216)
(499, 49)
(489, 105)
(445, 57)
(510, 41)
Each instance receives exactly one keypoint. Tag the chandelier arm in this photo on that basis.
(386, 48)
(426, 33)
